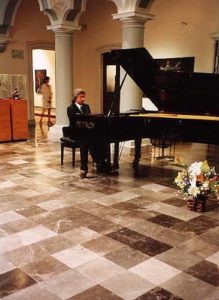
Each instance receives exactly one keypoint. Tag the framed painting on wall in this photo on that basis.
(39, 79)
(178, 64)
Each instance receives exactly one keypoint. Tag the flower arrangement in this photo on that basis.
(197, 179)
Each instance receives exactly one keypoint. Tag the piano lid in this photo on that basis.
(170, 91)
(139, 65)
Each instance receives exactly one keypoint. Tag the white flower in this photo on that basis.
(193, 181)
(193, 191)
(195, 168)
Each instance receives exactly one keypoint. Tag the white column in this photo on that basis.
(64, 77)
(132, 37)
(64, 81)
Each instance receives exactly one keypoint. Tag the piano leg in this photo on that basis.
(108, 154)
(136, 158)
(116, 156)
(137, 153)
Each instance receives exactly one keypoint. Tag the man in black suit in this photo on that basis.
(98, 151)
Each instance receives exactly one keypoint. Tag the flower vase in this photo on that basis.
(198, 203)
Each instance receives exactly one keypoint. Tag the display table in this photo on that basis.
(19, 119)
(13, 120)
(5, 121)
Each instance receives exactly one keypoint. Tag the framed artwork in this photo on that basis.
(39, 79)
(178, 64)
(17, 53)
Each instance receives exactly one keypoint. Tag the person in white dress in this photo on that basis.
(47, 100)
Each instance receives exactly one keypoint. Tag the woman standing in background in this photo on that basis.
(47, 100)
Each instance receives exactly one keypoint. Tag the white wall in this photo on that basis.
(184, 28)
(44, 59)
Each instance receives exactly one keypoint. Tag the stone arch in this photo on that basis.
(145, 4)
(129, 6)
(66, 12)
(8, 11)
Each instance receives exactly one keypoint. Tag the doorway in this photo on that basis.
(111, 82)
(43, 62)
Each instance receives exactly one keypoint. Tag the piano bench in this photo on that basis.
(68, 143)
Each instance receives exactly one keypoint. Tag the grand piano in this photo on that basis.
(188, 107)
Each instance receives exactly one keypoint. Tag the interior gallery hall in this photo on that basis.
(147, 227)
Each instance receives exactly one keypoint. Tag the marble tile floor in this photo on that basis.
(100, 238)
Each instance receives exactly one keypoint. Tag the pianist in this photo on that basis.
(97, 151)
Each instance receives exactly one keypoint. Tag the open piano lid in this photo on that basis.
(170, 91)
(139, 65)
